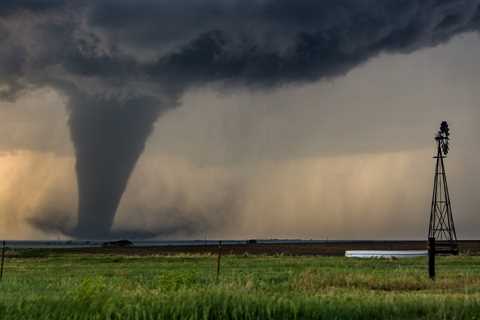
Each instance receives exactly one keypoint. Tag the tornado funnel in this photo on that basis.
(109, 136)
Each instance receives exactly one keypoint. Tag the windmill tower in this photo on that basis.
(441, 227)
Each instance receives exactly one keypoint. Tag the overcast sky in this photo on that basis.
(340, 150)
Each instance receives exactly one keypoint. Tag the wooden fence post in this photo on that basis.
(219, 258)
(3, 261)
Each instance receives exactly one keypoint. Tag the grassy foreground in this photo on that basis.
(42, 285)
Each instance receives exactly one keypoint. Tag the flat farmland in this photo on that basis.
(110, 284)
(305, 248)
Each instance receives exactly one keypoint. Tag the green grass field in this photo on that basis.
(43, 285)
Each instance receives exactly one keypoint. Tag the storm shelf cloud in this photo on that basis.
(122, 64)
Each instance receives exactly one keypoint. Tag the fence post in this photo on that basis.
(219, 258)
(3, 261)
(431, 258)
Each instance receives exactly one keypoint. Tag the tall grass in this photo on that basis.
(68, 286)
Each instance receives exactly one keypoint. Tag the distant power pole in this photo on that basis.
(442, 228)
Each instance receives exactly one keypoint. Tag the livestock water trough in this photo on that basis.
(385, 254)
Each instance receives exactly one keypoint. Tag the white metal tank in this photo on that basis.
(385, 254)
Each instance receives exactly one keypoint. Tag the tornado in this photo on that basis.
(109, 136)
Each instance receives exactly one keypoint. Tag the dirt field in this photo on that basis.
(323, 249)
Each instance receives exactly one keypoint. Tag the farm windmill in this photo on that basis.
(441, 227)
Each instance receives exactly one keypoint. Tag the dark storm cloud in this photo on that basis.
(13, 6)
(122, 63)
(243, 41)
(273, 42)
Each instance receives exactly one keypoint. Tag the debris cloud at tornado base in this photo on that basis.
(121, 65)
